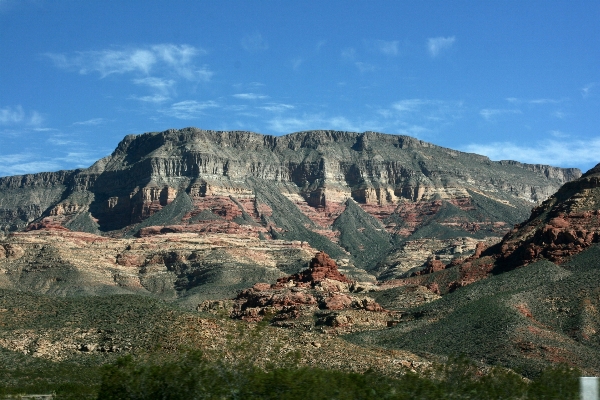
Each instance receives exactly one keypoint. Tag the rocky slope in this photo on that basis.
(526, 302)
(182, 267)
(358, 197)
(562, 226)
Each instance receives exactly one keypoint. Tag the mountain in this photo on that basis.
(421, 252)
(526, 302)
(364, 198)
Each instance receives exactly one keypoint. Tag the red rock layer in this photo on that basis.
(321, 267)
(321, 286)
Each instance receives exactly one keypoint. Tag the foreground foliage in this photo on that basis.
(193, 377)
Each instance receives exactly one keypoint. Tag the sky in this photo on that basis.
(508, 79)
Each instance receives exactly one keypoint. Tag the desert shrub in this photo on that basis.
(558, 382)
(193, 377)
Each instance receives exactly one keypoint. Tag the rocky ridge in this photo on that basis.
(357, 197)
(564, 225)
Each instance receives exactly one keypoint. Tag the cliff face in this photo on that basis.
(355, 196)
(564, 225)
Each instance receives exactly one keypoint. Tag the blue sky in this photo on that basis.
(508, 79)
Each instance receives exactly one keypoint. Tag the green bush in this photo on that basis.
(191, 376)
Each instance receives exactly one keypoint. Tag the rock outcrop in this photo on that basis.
(320, 287)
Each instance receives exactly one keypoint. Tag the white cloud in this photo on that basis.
(249, 96)
(160, 84)
(179, 58)
(587, 89)
(277, 107)
(25, 163)
(491, 113)
(254, 43)
(559, 114)
(550, 152)
(439, 44)
(176, 59)
(409, 105)
(90, 122)
(318, 121)
(189, 109)
(420, 117)
(515, 100)
(559, 134)
(81, 159)
(28, 168)
(18, 116)
(30, 163)
(59, 141)
(156, 98)
(413, 130)
(389, 48)
(11, 115)
(107, 62)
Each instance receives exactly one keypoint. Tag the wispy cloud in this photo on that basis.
(254, 43)
(90, 122)
(161, 85)
(10, 115)
(25, 163)
(61, 141)
(318, 121)
(155, 98)
(144, 60)
(30, 163)
(515, 100)
(558, 114)
(389, 48)
(249, 96)
(277, 107)
(30, 167)
(587, 89)
(551, 152)
(162, 88)
(189, 109)
(438, 44)
(409, 105)
(420, 117)
(559, 134)
(490, 113)
(18, 116)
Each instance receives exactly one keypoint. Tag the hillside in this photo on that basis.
(524, 303)
(362, 198)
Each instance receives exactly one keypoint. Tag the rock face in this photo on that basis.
(320, 287)
(357, 197)
(562, 226)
